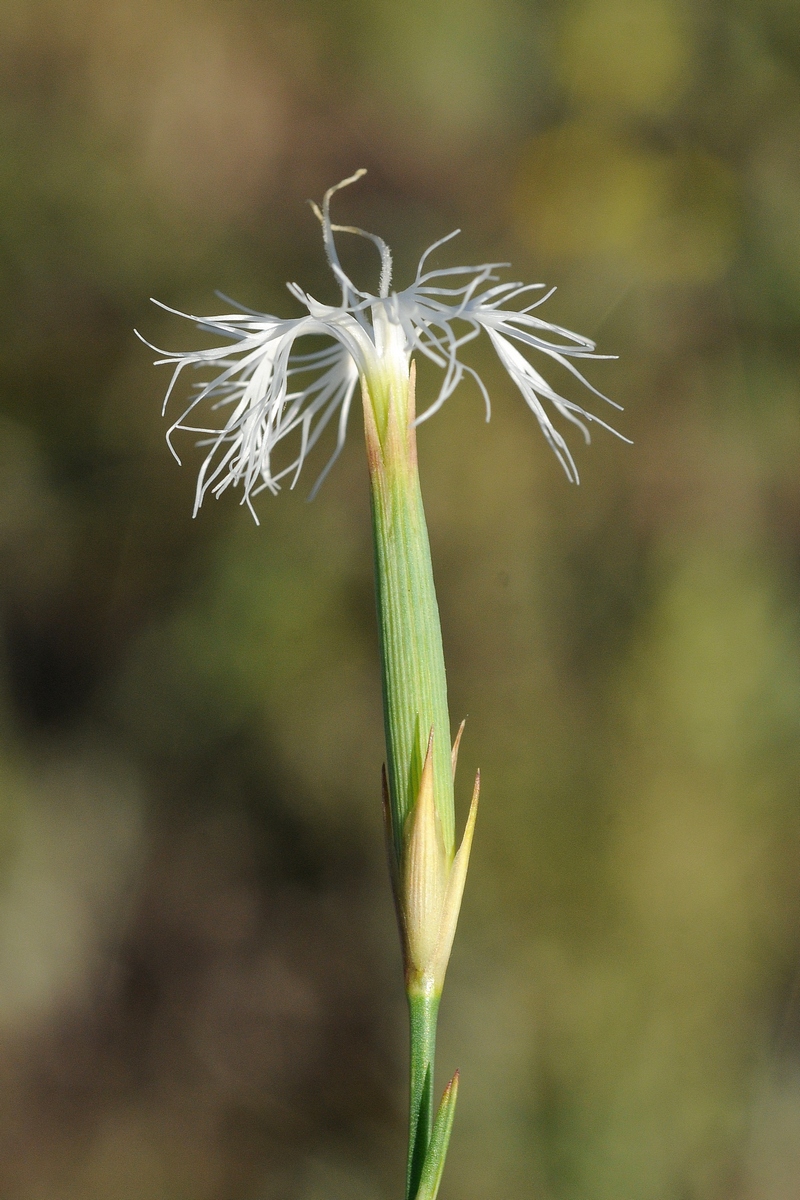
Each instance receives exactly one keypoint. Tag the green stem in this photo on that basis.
(422, 1012)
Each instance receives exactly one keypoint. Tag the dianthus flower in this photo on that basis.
(263, 390)
(266, 390)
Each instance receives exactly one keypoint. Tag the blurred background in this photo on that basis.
(200, 990)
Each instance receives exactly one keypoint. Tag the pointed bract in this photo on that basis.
(456, 744)
(455, 892)
(425, 873)
(430, 884)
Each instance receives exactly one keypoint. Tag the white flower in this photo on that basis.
(266, 390)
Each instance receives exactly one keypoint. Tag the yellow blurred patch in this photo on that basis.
(635, 55)
(583, 190)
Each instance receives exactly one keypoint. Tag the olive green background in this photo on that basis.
(200, 992)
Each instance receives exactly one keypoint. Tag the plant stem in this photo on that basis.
(422, 1010)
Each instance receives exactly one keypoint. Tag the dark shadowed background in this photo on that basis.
(200, 991)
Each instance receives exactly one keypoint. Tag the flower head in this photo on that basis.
(265, 389)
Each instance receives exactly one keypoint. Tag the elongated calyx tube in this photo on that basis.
(418, 795)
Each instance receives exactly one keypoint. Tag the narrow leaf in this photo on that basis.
(437, 1150)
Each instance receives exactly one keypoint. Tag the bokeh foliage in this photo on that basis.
(199, 979)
